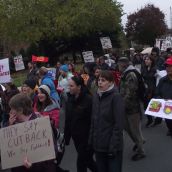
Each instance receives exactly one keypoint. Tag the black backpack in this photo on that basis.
(142, 88)
(59, 143)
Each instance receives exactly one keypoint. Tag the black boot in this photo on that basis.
(149, 121)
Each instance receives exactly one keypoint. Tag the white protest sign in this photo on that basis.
(160, 108)
(106, 42)
(88, 56)
(158, 43)
(159, 75)
(32, 139)
(164, 45)
(169, 42)
(18, 61)
(4, 71)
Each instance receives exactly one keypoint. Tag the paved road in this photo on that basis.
(158, 149)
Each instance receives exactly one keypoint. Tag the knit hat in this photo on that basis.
(30, 83)
(64, 68)
(169, 61)
(123, 60)
(45, 88)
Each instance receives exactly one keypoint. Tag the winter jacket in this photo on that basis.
(164, 88)
(47, 80)
(78, 118)
(106, 132)
(32, 75)
(52, 111)
(64, 82)
(129, 91)
(149, 79)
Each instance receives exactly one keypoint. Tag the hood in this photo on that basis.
(51, 107)
(48, 75)
(100, 93)
(130, 67)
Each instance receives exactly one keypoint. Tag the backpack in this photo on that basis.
(59, 144)
(58, 138)
(142, 87)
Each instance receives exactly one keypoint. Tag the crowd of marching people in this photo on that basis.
(100, 102)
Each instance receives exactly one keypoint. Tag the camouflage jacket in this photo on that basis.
(128, 89)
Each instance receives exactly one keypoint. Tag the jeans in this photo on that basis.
(109, 164)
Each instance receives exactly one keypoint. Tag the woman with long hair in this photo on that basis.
(148, 72)
(77, 123)
(46, 106)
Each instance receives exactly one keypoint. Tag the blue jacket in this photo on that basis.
(47, 80)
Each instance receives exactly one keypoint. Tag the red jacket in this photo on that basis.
(52, 111)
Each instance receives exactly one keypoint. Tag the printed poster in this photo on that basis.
(160, 108)
(88, 56)
(18, 61)
(4, 71)
(106, 42)
(32, 139)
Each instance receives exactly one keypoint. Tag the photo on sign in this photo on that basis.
(155, 106)
(160, 108)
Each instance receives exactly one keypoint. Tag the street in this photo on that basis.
(157, 147)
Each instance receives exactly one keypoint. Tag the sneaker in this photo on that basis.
(135, 146)
(149, 122)
(137, 157)
(157, 122)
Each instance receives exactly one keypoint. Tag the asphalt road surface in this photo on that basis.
(158, 148)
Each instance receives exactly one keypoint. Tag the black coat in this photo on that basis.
(78, 118)
(149, 79)
(164, 88)
(106, 133)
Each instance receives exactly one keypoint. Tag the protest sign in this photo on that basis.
(32, 139)
(18, 61)
(4, 71)
(39, 59)
(106, 42)
(88, 56)
(158, 43)
(160, 108)
(169, 42)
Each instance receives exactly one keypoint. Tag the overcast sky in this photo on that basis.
(131, 6)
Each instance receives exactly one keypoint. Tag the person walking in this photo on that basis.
(148, 72)
(77, 123)
(164, 90)
(129, 89)
(106, 132)
(45, 105)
